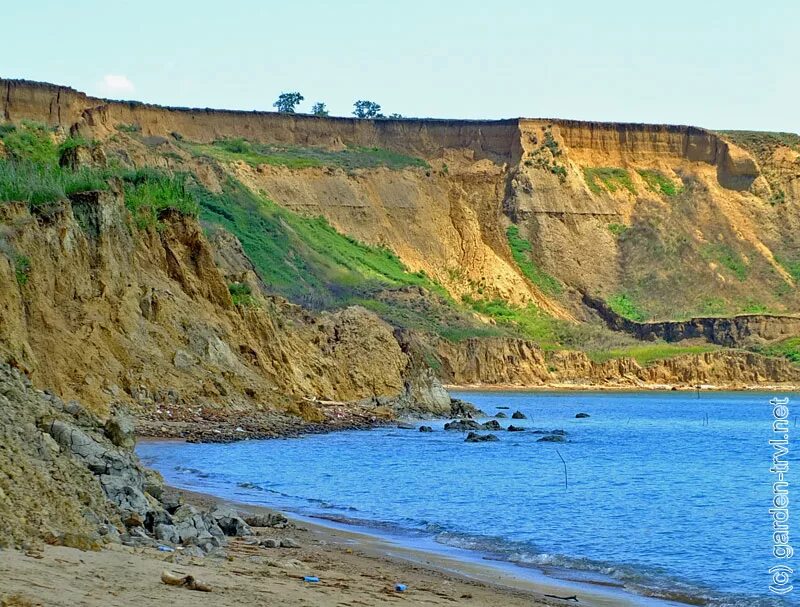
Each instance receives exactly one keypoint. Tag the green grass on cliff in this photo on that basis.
(646, 354)
(658, 182)
(149, 193)
(309, 262)
(610, 179)
(522, 251)
(788, 349)
(300, 157)
(623, 305)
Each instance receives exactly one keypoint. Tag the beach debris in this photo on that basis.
(582, 415)
(400, 587)
(473, 437)
(311, 578)
(163, 548)
(518, 415)
(425, 429)
(563, 598)
(190, 582)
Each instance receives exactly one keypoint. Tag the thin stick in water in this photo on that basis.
(566, 479)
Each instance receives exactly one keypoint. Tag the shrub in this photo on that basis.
(242, 295)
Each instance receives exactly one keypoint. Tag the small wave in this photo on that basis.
(646, 581)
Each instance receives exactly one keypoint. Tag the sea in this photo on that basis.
(665, 494)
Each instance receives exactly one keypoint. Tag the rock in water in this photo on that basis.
(518, 415)
(472, 437)
(552, 438)
(581, 415)
(501, 415)
(513, 428)
(425, 429)
(462, 425)
(492, 424)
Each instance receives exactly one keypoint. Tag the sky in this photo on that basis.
(709, 63)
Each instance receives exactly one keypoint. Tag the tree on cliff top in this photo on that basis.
(319, 109)
(367, 109)
(287, 102)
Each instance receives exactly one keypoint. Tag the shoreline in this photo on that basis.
(578, 388)
(455, 564)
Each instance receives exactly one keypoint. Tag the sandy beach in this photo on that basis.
(354, 569)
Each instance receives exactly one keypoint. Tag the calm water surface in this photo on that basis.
(656, 497)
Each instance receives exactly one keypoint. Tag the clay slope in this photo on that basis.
(111, 313)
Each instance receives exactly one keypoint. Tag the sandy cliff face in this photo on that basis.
(520, 363)
(711, 233)
(450, 220)
(108, 313)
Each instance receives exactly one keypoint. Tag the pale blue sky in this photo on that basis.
(709, 63)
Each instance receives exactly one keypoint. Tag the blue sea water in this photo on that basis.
(667, 493)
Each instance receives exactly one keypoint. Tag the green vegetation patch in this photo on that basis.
(646, 354)
(658, 182)
(149, 193)
(22, 269)
(529, 321)
(299, 157)
(521, 250)
(610, 179)
(617, 229)
(728, 258)
(242, 295)
(623, 305)
(788, 349)
(37, 184)
(306, 260)
(759, 140)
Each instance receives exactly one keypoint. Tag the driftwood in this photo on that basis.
(574, 597)
(186, 581)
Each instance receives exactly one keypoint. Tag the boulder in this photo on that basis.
(513, 428)
(501, 415)
(425, 429)
(195, 529)
(119, 429)
(230, 522)
(270, 542)
(272, 519)
(288, 542)
(518, 415)
(472, 437)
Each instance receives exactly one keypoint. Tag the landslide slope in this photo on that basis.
(463, 229)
